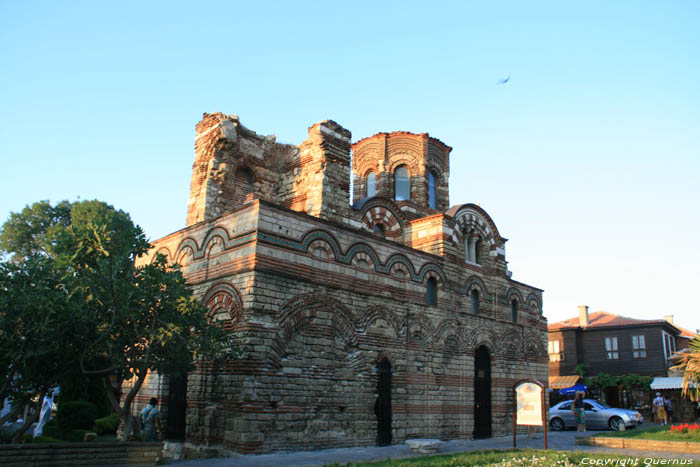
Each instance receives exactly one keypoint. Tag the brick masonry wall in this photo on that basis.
(315, 307)
(316, 299)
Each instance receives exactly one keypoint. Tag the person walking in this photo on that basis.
(150, 421)
(659, 409)
(577, 407)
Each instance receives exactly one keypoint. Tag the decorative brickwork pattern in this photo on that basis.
(320, 294)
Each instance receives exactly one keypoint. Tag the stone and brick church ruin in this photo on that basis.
(364, 318)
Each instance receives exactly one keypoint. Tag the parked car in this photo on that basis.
(598, 415)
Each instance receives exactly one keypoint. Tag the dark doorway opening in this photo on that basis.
(482, 393)
(177, 407)
(382, 406)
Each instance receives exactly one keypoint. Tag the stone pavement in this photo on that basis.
(565, 440)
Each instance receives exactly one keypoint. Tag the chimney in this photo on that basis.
(583, 316)
(669, 319)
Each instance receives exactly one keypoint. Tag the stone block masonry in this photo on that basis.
(324, 296)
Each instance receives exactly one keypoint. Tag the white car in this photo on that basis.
(598, 415)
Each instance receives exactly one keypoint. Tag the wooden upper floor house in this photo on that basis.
(612, 344)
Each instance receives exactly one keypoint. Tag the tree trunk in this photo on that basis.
(128, 424)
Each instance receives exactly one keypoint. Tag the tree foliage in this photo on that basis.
(78, 264)
(688, 362)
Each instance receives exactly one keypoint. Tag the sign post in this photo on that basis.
(528, 406)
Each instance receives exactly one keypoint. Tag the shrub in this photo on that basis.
(51, 429)
(76, 415)
(106, 424)
(46, 439)
(77, 435)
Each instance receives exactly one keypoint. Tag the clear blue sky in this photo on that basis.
(588, 159)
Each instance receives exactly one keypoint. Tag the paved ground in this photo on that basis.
(565, 440)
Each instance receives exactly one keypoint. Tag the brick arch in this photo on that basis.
(314, 235)
(475, 282)
(533, 300)
(449, 327)
(512, 345)
(297, 312)
(411, 163)
(376, 312)
(431, 270)
(426, 328)
(185, 255)
(534, 348)
(398, 258)
(367, 252)
(481, 336)
(514, 293)
(385, 212)
(224, 303)
(165, 252)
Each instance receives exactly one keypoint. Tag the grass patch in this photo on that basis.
(507, 457)
(658, 433)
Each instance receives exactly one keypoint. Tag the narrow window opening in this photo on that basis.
(379, 230)
(432, 192)
(514, 310)
(371, 185)
(475, 302)
(431, 292)
(402, 184)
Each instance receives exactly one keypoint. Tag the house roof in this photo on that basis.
(603, 319)
(687, 333)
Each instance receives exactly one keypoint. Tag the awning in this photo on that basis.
(573, 390)
(672, 382)
(560, 382)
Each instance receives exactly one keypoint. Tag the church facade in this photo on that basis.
(363, 318)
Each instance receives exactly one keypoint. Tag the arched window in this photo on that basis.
(477, 250)
(402, 184)
(475, 301)
(432, 191)
(514, 310)
(371, 185)
(431, 292)
(379, 230)
(244, 184)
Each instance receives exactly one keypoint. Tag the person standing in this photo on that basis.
(577, 407)
(669, 410)
(150, 421)
(659, 409)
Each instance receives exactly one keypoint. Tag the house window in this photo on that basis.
(432, 193)
(639, 346)
(514, 310)
(431, 292)
(402, 184)
(371, 185)
(555, 355)
(475, 302)
(611, 348)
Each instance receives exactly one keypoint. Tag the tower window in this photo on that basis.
(514, 310)
(475, 302)
(432, 192)
(431, 292)
(379, 230)
(402, 184)
(371, 185)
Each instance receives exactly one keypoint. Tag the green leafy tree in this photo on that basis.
(38, 324)
(132, 319)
